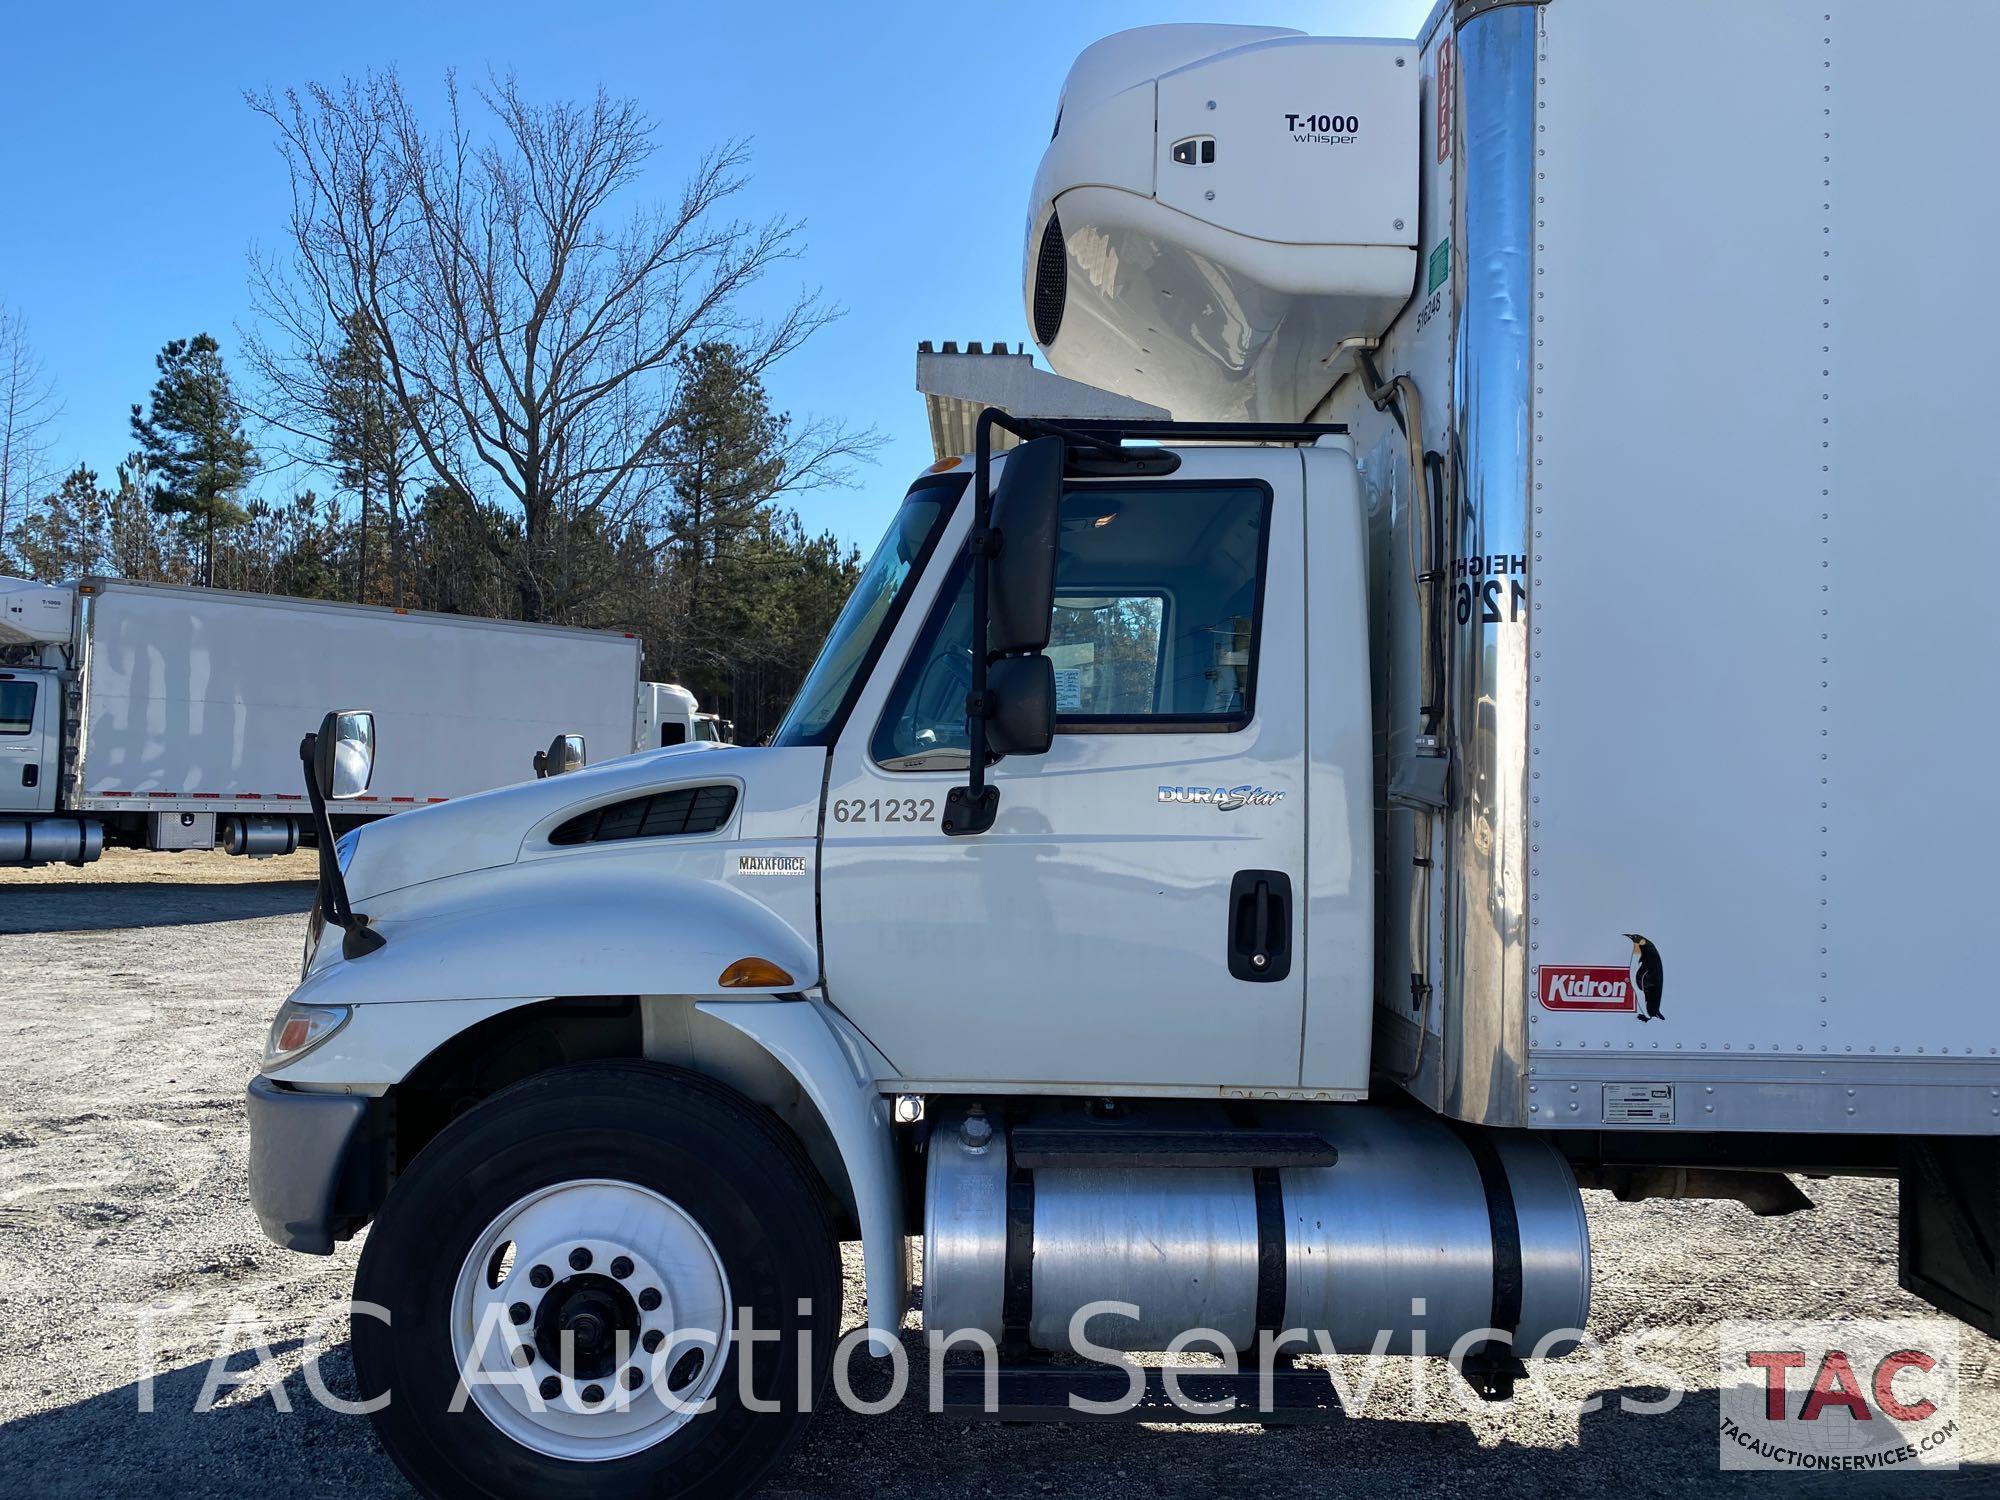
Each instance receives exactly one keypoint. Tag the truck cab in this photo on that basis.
(1211, 724)
(1161, 940)
(30, 738)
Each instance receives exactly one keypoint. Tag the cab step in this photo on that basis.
(1038, 1146)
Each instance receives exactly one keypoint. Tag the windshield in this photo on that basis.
(870, 613)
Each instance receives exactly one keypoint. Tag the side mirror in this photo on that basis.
(1022, 690)
(565, 754)
(344, 754)
(1022, 582)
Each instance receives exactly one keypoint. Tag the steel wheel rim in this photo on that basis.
(554, 1253)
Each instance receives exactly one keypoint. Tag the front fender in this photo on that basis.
(598, 925)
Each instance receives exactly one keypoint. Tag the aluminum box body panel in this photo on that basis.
(1714, 533)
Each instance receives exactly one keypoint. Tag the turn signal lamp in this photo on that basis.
(755, 974)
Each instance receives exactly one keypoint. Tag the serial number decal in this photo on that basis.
(884, 810)
(1433, 305)
(1491, 590)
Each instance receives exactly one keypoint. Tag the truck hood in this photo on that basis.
(487, 829)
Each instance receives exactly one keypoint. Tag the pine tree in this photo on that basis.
(725, 457)
(64, 536)
(367, 441)
(139, 546)
(194, 443)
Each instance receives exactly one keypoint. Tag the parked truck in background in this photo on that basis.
(1243, 867)
(158, 717)
(670, 715)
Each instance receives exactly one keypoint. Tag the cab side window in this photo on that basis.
(1154, 628)
(17, 707)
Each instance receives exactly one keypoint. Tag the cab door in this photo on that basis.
(1133, 916)
(30, 722)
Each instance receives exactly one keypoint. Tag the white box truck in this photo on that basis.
(170, 718)
(1243, 870)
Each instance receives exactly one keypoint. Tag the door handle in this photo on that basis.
(1260, 925)
(31, 774)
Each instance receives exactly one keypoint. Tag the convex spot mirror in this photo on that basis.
(1023, 691)
(344, 754)
(565, 754)
(1021, 582)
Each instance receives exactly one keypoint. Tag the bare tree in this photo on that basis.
(527, 320)
(28, 409)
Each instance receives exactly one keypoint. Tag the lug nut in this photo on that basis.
(621, 1266)
(579, 1259)
(520, 1312)
(651, 1339)
(592, 1394)
(650, 1298)
(685, 1370)
(550, 1388)
(524, 1356)
(634, 1378)
(541, 1276)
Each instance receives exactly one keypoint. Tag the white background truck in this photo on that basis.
(170, 718)
(670, 715)
(1251, 869)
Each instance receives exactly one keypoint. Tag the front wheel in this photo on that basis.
(558, 1276)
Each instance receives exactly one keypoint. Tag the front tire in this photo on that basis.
(560, 1242)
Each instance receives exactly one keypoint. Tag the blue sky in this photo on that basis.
(905, 134)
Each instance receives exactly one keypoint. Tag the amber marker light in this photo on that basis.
(755, 974)
(945, 465)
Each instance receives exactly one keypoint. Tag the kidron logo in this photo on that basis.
(1585, 987)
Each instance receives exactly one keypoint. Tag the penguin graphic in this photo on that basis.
(1649, 977)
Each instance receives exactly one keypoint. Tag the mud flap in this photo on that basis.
(1949, 1192)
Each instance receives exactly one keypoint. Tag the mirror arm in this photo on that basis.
(970, 809)
(359, 937)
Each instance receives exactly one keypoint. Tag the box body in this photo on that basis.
(1710, 365)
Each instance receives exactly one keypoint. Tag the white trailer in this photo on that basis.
(170, 718)
(1247, 870)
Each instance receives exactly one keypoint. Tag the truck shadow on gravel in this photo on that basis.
(1616, 1453)
(70, 906)
(247, 1445)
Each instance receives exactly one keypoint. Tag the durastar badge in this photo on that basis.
(770, 864)
(1222, 798)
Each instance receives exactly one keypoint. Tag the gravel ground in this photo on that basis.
(159, 974)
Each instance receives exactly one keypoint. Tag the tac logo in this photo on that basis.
(1840, 1397)
(1596, 987)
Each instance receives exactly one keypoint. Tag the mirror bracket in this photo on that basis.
(357, 937)
(968, 810)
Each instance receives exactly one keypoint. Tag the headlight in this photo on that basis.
(297, 1029)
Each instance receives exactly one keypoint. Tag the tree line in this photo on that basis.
(517, 387)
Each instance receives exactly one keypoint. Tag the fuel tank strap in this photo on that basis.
(1017, 1287)
(1506, 1234)
(1270, 1189)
